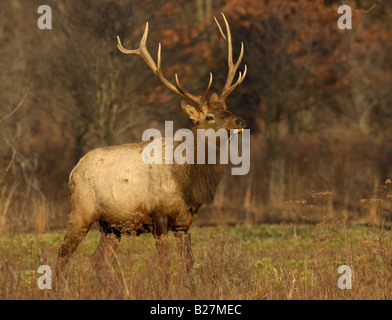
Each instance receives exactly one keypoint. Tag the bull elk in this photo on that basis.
(114, 187)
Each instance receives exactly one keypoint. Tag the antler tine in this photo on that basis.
(229, 42)
(241, 78)
(220, 29)
(185, 92)
(162, 78)
(182, 89)
(232, 68)
(208, 88)
(156, 68)
(141, 51)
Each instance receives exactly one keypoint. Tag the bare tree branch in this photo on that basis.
(16, 108)
(8, 166)
(4, 118)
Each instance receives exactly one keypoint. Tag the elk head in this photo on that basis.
(204, 113)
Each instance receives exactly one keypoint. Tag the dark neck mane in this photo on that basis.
(198, 182)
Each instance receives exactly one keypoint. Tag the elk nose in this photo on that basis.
(240, 123)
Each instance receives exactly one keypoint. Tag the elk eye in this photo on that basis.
(210, 118)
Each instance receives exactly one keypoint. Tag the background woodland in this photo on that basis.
(318, 100)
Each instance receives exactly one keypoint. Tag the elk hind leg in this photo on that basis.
(76, 231)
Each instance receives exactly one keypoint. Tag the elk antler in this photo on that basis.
(229, 87)
(145, 55)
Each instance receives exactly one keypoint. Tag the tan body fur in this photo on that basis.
(116, 186)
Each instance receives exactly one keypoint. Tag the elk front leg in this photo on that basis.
(102, 257)
(160, 231)
(183, 239)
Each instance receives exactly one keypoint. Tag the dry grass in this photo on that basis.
(296, 259)
(6, 197)
(286, 261)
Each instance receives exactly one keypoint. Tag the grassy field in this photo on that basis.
(286, 261)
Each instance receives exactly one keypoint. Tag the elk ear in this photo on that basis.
(190, 111)
(214, 98)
